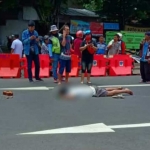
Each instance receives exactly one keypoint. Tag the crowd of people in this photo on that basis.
(59, 48)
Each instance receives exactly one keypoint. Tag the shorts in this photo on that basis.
(100, 92)
(65, 64)
(86, 66)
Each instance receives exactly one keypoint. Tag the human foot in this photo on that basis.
(128, 91)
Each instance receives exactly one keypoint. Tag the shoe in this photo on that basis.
(55, 81)
(31, 81)
(88, 82)
(81, 82)
(39, 79)
(142, 81)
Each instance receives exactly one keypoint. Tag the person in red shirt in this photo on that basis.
(77, 43)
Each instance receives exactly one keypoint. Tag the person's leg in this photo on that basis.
(83, 69)
(68, 69)
(37, 67)
(89, 67)
(116, 92)
(113, 88)
(55, 66)
(142, 71)
(61, 70)
(29, 64)
(147, 72)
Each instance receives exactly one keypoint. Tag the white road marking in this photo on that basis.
(50, 88)
(92, 128)
(26, 88)
(128, 85)
(130, 126)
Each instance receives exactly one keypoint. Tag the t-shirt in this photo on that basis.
(145, 50)
(102, 48)
(114, 49)
(17, 46)
(86, 55)
(66, 50)
(77, 43)
(81, 91)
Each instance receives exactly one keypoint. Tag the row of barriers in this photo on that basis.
(118, 65)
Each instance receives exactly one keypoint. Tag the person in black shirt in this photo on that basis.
(88, 48)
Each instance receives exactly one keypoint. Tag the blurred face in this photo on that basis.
(116, 38)
(67, 30)
(147, 37)
(54, 32)
(101, 39)
(31, 28)
(46, 41)
(88, 37)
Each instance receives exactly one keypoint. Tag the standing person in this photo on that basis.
(65, 56)
(88, 48)
(122, 49)
(44, 47)
(55, 45)
(77, 43)
(30, 42)
(113, 46)
(17, 46)
(145, 58)
(101, 46)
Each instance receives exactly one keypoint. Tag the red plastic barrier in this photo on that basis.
(10, 66)
(99, 65)
(44, 66)
(120, 65)
(74, 66)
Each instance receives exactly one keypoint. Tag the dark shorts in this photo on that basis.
(65, 64)
(100, 92)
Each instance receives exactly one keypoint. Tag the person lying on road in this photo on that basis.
(85, 91)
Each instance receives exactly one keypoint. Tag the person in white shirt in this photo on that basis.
(17, 46)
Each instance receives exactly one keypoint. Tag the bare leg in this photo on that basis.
(67, 77)
(88, 77)
(82, 77)
(59, 78)
(114, 88)
(116, 92)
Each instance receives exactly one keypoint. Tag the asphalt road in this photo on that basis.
(37, 110)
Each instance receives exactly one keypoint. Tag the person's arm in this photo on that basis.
(63, 42)
(13, 47)
(110, 44)
(83, 46)
(25, 40)
(95, 46)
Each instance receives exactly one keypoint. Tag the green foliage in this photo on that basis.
(9, 4)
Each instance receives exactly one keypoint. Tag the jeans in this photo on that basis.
(65, 65)
(35, 58)
(56, 60)
(145, 71)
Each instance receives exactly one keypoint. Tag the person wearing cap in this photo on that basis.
(102, 47)
(55, 48)
(145, 59)
(88, 48)
(65, 56)
(77, 43)
(17, 46)
(30, 42)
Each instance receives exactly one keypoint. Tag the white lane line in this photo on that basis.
(50, 88)
(130, 126)
(92, 128)
(128, 85)
(26, 88)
